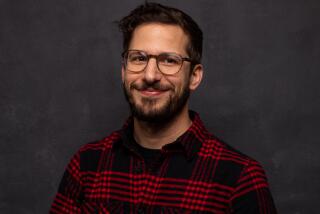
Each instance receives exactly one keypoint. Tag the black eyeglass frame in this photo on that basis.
(149, 56)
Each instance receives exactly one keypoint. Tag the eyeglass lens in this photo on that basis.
(168, 63)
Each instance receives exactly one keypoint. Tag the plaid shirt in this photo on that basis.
(195, 174)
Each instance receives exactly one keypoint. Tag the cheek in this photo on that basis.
(183, 84)
(125, 84)
(184, 79)
(128, 80)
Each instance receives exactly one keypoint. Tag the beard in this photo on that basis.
(148, 111)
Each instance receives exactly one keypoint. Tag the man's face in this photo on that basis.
(153, 96)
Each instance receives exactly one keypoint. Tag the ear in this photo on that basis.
(122, 73)
(196, 77)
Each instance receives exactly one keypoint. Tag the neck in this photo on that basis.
(155, 136)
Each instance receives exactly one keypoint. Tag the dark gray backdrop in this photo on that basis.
(60, 88)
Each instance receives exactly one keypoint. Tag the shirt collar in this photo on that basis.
(189, 142)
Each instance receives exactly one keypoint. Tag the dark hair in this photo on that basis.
(154, 12)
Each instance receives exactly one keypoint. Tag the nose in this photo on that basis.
(151, 72)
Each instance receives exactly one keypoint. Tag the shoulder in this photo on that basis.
(228, 159)
(228, 166)
(101, 145)
(88, 157)
(214, 148)
(91, 153)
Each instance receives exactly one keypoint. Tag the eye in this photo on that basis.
(169, 60)
(137, 58)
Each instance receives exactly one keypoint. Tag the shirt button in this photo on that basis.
(138, 168)
(140, 211)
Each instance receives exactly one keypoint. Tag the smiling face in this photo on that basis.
(153, 96)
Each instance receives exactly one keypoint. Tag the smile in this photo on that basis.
(152, 92)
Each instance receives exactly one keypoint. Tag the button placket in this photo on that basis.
(138, 168)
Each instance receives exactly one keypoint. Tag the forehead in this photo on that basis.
(156, 38)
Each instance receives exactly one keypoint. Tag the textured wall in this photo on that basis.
(60, 88)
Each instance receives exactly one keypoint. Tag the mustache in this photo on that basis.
(155, 86)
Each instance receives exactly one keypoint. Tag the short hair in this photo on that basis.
(150, 12)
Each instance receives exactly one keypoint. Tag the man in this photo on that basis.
(163, 160)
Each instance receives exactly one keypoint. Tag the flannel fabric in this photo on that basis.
(195, 174)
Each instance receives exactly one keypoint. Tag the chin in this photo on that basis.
(157, 110)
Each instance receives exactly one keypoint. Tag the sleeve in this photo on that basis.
(252, 194)
(68, 197)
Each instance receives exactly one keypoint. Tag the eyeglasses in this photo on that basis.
(167, 63)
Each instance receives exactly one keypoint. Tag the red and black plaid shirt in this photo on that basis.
(195, 174)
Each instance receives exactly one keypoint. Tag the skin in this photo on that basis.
(155, 38)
